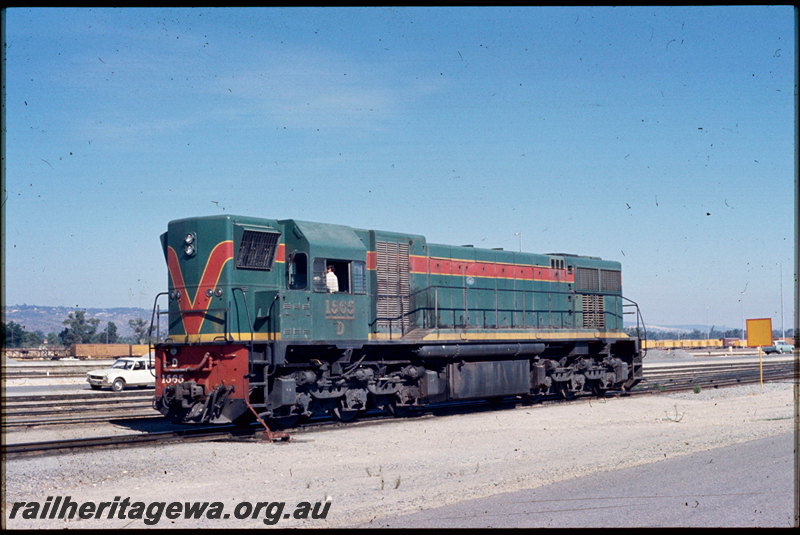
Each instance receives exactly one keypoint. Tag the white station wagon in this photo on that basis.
(132, 371)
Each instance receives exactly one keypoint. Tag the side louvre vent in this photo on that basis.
(593, 316)
(393, 284)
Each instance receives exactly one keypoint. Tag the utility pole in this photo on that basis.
(741, 301)
(783, 334)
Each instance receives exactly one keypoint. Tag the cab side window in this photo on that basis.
(339, 276)
(297, 271)
(358, 274)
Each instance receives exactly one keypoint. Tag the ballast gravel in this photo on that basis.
(365, 472)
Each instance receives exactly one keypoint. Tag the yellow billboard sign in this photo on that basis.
(759, 332)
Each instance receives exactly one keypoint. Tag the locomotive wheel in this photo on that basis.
(400, 411)
(284, 422)
(345, 415)
(563, 390)
(343, 412)
(347, 407)
(283, 418)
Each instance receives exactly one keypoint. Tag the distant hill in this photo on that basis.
(51, 319)
(680, 328)
(685, 329)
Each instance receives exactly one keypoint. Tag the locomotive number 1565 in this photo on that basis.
(172, 379)
(340, 310)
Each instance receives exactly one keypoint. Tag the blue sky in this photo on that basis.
(661, 137)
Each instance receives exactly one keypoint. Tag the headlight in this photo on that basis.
(190, 247)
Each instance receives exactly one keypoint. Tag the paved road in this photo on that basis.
(747, 485)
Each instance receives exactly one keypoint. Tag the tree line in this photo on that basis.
(697, 334)
(78, 329)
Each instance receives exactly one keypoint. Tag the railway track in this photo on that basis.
(32, 411)
(55, 370)
(663, 378)
(60, 447)
(658, 379)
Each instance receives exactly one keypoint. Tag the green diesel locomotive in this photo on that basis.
(288, 319)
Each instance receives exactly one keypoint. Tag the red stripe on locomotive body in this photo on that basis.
(422, 265)
(280, 254)
(193, 310)
(372, 260)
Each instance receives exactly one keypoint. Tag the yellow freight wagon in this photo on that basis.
(100, 351)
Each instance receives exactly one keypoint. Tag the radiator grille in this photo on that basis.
(610, 281)
(587, 279)
(257, 250)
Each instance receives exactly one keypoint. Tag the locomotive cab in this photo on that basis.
(311, 308)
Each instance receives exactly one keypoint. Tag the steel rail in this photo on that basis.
(713, 375)
(83, 420)
(62, 409)
(56, 447)
(79, 395)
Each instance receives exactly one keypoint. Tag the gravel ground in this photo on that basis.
(370, 471)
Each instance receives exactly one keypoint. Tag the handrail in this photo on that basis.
(639, 318)
(152, 319)
(247, 310)
(150, 345)
(207, 358)
(437, 307)
(156, 315)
